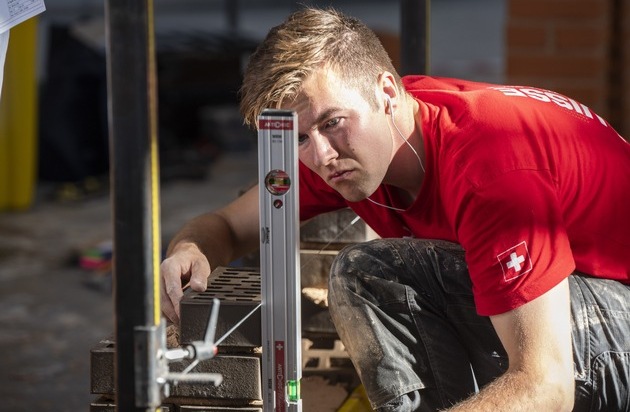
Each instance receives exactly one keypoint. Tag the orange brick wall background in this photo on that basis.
(580, 48)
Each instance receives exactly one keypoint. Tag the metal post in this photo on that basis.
(414, 36)
(134, 188)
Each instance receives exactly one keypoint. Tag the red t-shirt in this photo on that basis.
(531, 183)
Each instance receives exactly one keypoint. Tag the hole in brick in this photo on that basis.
(341, 363)
(322, 344)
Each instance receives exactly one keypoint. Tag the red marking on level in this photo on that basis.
(275, 124)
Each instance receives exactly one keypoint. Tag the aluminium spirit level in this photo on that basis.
(279, 260)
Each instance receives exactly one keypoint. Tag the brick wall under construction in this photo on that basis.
(580, 48)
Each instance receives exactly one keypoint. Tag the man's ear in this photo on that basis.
(387, 90)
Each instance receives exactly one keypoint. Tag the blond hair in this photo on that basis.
(308, 40)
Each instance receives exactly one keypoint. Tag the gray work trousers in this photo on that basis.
(404, 309)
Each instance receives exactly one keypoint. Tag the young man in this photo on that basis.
(503, 263)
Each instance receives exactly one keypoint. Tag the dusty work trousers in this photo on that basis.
(404, 309)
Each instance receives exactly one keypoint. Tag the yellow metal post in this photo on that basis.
(18, 119)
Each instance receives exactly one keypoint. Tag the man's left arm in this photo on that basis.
(537, 339)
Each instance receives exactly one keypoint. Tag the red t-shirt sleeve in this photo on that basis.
(516, 244)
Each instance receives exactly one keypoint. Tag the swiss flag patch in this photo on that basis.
(515, 262)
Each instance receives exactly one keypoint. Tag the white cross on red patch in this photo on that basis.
(515, 262)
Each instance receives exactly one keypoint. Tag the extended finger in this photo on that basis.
(168, 310)
(171, 290)
(200, 270)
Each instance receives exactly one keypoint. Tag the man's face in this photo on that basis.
(341, 137)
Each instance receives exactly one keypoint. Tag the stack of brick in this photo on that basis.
(321, 240)
(239, 356)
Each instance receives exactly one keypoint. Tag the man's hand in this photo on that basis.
(206, 242)
(185, 264)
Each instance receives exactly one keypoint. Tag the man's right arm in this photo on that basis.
(205, 242)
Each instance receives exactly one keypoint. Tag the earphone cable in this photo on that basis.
(397, 209)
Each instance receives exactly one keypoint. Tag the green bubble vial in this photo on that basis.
(293, 389)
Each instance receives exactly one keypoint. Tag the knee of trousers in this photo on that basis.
(367, 258)
(421, 262)
(356, 259)
(344, 272)
(363, 262)
(342, 262)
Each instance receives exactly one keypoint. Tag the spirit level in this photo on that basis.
(279, 260)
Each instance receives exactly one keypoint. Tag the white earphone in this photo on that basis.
(391, 113)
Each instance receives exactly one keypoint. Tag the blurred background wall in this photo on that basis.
(577, 47)
(580, 48)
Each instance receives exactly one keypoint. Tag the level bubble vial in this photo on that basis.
(277, 182)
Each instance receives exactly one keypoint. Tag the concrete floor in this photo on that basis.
(52, 312)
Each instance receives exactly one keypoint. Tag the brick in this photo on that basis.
(334, 227)
(550, 66)
(315, 267)
(238, 290)
(103, 405)
(580, 29)
(196, 306)
(585, 92)
(328, 358)
(186, 408)
(558, 9)
(585, 95)
(241, 376)
(391, 43)
(102, 368)
(241, 379)
(108, 405)
(527, 36)
(596, 104)
(578, 37)
(317, 359)
(321, 239)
